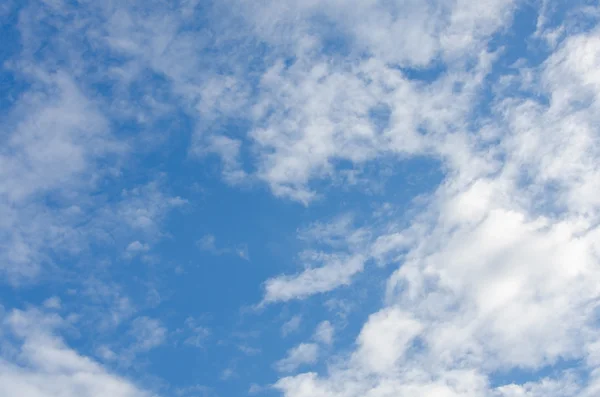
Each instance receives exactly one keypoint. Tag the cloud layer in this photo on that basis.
(124, 120)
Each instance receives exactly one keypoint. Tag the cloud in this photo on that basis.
(304, 353)
(143, 208)
(317, 99)
(337, 271)
(385, 338)
(106, 353)
(499, 271)
(53, 302)
(291, 325)
(228, 373)
(55, 140)
(52, 139)
(249, 350)
(495, 273)
(441, 28)
(342, 250)
(148, 333)
(195, 390)
(208, 244)
(255, 389)
(62, 146)
(136, 248)
(199, 333)
(107, 304)
(324, 333)
(228, 149)
(46, 367)
(342, 253)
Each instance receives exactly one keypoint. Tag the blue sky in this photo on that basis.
(299, 198)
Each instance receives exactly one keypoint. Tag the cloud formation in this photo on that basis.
(40, 364)
(117, 107)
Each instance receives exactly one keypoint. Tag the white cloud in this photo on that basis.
(58, 146)
(51, 139)
(108, 306)
(324, 333)
(318, 110)
(148, 333)
(197, 333)
(249, 350)
(143, 208)
(255, 389)
(54, 136)
(228, 150)
(421, 31)
(228, 373)
(195, 390)
(342, 252)
(385, 338)
(208, 243)
(136, 246)
(336, 271)
(46, 367)
(304, 353)
(53, 302)
(106, 353)
(499, 272)
(291, 325)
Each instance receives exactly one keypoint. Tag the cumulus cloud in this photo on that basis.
(385, 338)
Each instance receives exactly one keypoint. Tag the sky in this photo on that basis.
(300, 198)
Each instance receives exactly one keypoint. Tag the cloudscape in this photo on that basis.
(300, 198)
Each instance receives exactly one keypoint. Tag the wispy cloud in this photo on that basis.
(47, 366)
(208, 244)
(304, 353)
(291, 325)
(324, 333)
(147, 332)
(196, 333)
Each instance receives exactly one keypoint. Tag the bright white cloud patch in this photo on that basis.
(385, 338)
(336, 271)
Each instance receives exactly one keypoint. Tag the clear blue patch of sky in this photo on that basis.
(426, 74)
